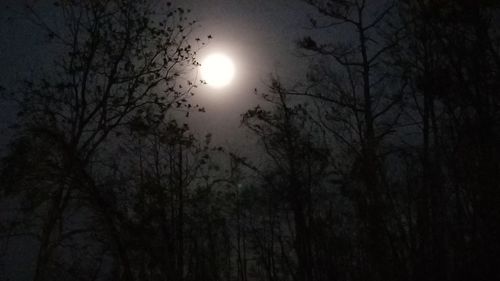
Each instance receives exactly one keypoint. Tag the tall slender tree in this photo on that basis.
(120, 59)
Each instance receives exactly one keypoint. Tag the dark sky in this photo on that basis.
(259, 35)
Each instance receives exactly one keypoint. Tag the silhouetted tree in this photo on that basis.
(362, 109)
(297, 168)
(119, 60)
(381, 165)
(452, 62)
(169, 216)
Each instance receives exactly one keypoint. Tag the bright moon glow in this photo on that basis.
(217, 70)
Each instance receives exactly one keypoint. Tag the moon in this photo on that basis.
(217, 70)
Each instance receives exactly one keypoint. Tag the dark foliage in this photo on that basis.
(383, 166)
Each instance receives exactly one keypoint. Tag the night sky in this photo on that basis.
(258, 35)
(357, 141)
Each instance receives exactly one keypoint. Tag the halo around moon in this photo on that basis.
(217, 70)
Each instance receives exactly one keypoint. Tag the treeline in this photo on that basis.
(382, 165)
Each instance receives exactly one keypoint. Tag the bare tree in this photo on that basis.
(362, 108)
(120, 60)
(298, 166)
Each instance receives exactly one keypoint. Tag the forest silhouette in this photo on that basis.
(383, 164)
